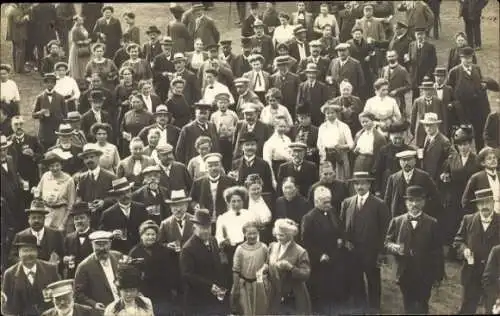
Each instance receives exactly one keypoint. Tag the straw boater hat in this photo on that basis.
(166, 40)
(153, 29)
(164, 148)
(311, 67)
(414, 191)
(73, 116)
(241, 81)
(342, 46)
(161, 109)
(151, 169)
(61, 64)
(64, 130)
(427, 85)
(178, 196)
(37, 206)
(297, 146)
(60, 288)
(282, 60)
(90, 149)
(361, 176)
(178, 57)
(203, 105)
(482, 195)
(430, 118)
(299, 29)
(121, 185)
(202, 217)
(406, 154)
(4, 142)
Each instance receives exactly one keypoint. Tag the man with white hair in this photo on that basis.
(62, 295)
(321, 224)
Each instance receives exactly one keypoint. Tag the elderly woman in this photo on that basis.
(130, 302)
(249, 291)
(66, 86)
(283, 33)
(9, 93)
(141, 67)
(287, 269)
(156, 265)
(274, 108)
(135, 119)
(196, 166)
(335, 140)
(454, 54)
(384, 107)
(57, 189)
(292, 204)
(351, 106)
(110, 157)
(258, 205)
(106, 67)
(79, 51)
(276, 149)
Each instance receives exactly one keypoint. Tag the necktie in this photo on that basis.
(428, 101)
(214, 180)
(493, 176)
(258, 80)
(209, 247)
(4, 165)
(360, 203)
(238, 213)
(137, 167)
(179, 222)
(427, 142)
(31, 277)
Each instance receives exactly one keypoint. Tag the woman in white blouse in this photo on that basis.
(258, 206)
(384, 107)
(335, 140)
(110, 157)
(283, 33)
(197, 57)
(276, 149)
(9, 93)
(274, 108)
(66, 86)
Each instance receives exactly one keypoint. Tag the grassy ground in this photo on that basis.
(446, 300)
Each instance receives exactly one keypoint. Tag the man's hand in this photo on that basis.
(225, 243)
(467, 253)
(99, 306)
(28, 152)
(285, 265)
(393, 93)
(324, 258)
(215, 289)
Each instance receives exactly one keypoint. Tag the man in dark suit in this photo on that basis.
(53, 57)
(304, 172)
(192, 90)
(177, 228)
(175, 175)
(410, 176)
(244, 94)
(49, 241)
(347, 19)
(152, 195)
(326, 283)
(184, 149)
(43, 28)
(162, 116)
(491, 279)
(64, 22)
(250, 163)
(298, 48)
(95, 275)
(413, 238)
(339, 189)
(398, 78)
(162, 66)
(95, 115)
(346, 67)
(22, 283)
(203, 27)
(96, 83)
(488, 178)
(17, 32)
(314, 93)
(322, 63)
(491, 133)
(287, 82)
(241, 64)
(202, 271)
(62, 295)
(77, 244)
(477, 235)
(247, 23)
(50, 109)
(444, 93)
(471, 12)
(152, 48)
(401, 41)
(208, 191)
(11, 186)
(250, 124)
(124, 217)
(263, 44)
(422, 60)
(227, 53)
(365, 219)
(111, 28)
(132, 166)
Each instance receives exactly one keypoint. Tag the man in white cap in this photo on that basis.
(174, 175)
(409, 175)
(471, 242)
(346, 67)
(95, 276)
(208, 190)
(62, 295)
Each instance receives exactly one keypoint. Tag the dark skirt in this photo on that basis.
(226, 150)
(276, 166)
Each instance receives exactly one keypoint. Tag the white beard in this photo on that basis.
(66, 311)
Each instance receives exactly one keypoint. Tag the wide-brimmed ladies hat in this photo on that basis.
(178, 196)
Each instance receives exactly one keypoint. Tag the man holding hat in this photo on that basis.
(152, 48)
(313, 93)
(201, 126)
(470, 90)
(169, 134)
(62, 295)
(95, 275)
(365, 218)
(322, 63)
(346, 67)
(202, 270)
(475, 248)
(162, 67)
(410, 176)
(24, 282)
(50, 109)
(414, 240)
(124, 217)
(263, 43)
(401, 41)
(77, 245)
(111, 28)
(208, 190)
(95, 115)
(421, 60)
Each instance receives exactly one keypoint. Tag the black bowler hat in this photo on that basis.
(26, 241)
(80, 208)
(202, 217)
(466, 51)
(415, 191)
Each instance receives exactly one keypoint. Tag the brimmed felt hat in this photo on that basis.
(49, 77)
(414, 191)
(297, 145)
(213, 46)
(463, 134)
(161, 109)
(330, 105)
(361, 176)
(90, 149)
(426, 85)
(311, 67)
(282, 60)
(132, 45)
(420, 29)
(80, 208)
(303, 110)
(97, 95)
(151, 169)
(241, 81)
(61, 64)
(248, 137)
(179, 57)
(64, 130)
(73, 116)
(100, 235)
(246, 41)
(226, 42)
(121, 185)
(153, 29)
(466, 51)
(178, 196)
(482, 195)
(406, 154)
(164, 148)
(4, 142)
(37, 206)
(402, 24)
(202, 217)
(60, 288)
(128, 277)
(177, 80)
(398, 127)
(147, 225)
(430, 118)
(51, 157)
(440, 71)
(491, 84)
(212, 157)
(26, 240)
(166, 40)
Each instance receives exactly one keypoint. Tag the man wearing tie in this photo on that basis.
(23, 283)
(132, 166)
(298, 48)
(259, 79)
(314, 93)
(346, 67)
(177, 228)
(174, 175)
(95, 115)
(251, 124)
(287, 82)
(413, 238)
(245, 94)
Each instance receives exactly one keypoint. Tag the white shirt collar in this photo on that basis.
(96, 171)
(364, 197)
(27, 271)
(125, 209)
(408, 175)
(40, 233)
(249, 159)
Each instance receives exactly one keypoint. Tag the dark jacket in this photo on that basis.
(422, 62)
(73, 247)
(113, 33)
(52, 241)
(144, 196)
(89, 119)
(184, 149)
(58, 111)
(491, 277)
(491, 133)
(305, 177)
(201, 193)
(262, 133)
(477, 181)
(338, 188)
(29, 171)
(179, 178)
(258, 166)
(294, 209)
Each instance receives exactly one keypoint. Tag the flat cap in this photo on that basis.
(100, 235)
(406, 154)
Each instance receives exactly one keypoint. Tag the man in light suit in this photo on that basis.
(22, 283)
(287, 82)
(62, 296)
(95, 115)
(132, 166)
(258, 78)
(95, 276)
(365, 219)
(250, 124)
(346, 67)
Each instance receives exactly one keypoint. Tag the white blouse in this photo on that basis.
(268, 114)
(212, 90)
(333, 134)
(321, 21)
(276, 148)
(383, 108)
(230, 226)
(197, 60)
(9, 91)
(365, 142)
(283, 34)
(259, 210)
(67, 86)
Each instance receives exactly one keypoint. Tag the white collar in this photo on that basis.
(96, 171)
(27, 271)
(408, 174)
(285, 246)
(106, 262)
(146, 97)
(431, 138)
(85, 231)
(214, 179)
(414, 216)
(96, 112)
(251, 126)
(124, 207)
(363, 197)
(249, 159)
(40, 233)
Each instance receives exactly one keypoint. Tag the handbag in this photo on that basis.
(83, 51)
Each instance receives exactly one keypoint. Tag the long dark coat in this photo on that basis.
(314, 97)
(73, 247)
(58, 111)
(305, 177)
(491, 278)
(113, 33)
(185, 150)
(259, 166)
(422, 62)
(91, 11)
(387, 164)
(201, 193)
(29, 170)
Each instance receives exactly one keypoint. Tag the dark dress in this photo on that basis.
(293, 209)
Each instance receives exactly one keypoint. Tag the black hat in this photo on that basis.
(246, 42)
(420, 29)
(202, 217)
(26, 240)
(361, 176)
(248, 137)
(491, 84)
(128, 277)
(96, 95)
(226, 42)
(466, 51)
(213, 46)
(303, 110)
(203, 106)
(440, 71)
(463, 134)
(211, 70)
(402, 24)
(398, 127)
(415, 191)
(80, 208)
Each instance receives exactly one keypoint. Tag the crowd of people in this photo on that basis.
(173, 176)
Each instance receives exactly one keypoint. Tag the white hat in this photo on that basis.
(100, 235)
(406, 154)
(430, 118)
(212, 157)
